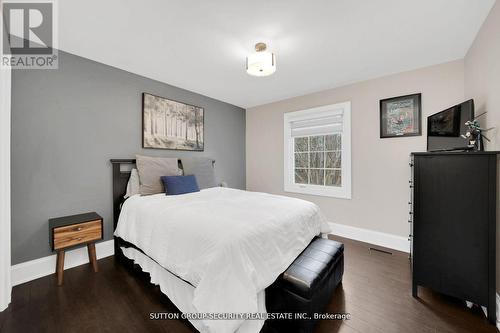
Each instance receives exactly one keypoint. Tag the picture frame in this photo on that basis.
(401, 116)
(170, 124)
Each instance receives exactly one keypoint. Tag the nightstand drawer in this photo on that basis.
(77, 234)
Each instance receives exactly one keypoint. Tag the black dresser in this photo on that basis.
(453, 219)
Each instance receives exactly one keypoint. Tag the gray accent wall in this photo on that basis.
(66, 126)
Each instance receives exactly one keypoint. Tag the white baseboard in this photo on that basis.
(390, 241)
(34, 269)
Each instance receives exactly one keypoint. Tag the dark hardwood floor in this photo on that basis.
(375, 291)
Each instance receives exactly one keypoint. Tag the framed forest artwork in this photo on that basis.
(168, 124)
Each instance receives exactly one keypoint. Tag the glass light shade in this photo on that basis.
(261, 64)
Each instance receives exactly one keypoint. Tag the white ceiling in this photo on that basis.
(201, 45)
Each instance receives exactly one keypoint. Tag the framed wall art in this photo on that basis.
(401, 116)
(169, 124)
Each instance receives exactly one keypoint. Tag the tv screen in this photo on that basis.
(445, 129)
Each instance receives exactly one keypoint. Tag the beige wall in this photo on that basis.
(380, 171)
(482, 82)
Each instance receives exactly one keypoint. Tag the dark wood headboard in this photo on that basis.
(120, 180)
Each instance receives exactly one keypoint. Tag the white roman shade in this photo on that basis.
(318, 126)
(319, 163)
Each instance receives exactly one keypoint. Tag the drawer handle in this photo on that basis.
(78, 238)
(78, 229)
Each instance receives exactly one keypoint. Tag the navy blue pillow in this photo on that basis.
(180, 184)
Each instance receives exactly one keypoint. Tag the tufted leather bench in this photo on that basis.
(307, 285)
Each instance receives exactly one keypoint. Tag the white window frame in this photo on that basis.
(5, 182)
(343, 191)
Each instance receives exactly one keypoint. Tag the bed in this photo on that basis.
(213, 252)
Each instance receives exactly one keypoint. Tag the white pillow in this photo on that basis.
(133, 184)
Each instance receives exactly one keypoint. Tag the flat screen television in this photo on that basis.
(445, 128)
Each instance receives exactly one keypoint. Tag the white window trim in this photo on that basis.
(5, 201)
(289, 174)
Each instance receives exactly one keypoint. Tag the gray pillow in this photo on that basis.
(202, 169)
(133, 184)
(151, 169)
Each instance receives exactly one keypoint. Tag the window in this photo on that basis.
(318, 151)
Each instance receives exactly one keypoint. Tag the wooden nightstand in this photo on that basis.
(70, 231)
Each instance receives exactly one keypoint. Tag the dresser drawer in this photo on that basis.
(77, 234)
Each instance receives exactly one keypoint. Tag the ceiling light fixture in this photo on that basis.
(261, 63)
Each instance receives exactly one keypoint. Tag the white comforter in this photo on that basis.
(230, 244)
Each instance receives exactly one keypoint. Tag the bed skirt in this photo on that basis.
(181, 293)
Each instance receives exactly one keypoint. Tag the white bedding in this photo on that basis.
(230, 244)
(181, 293)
